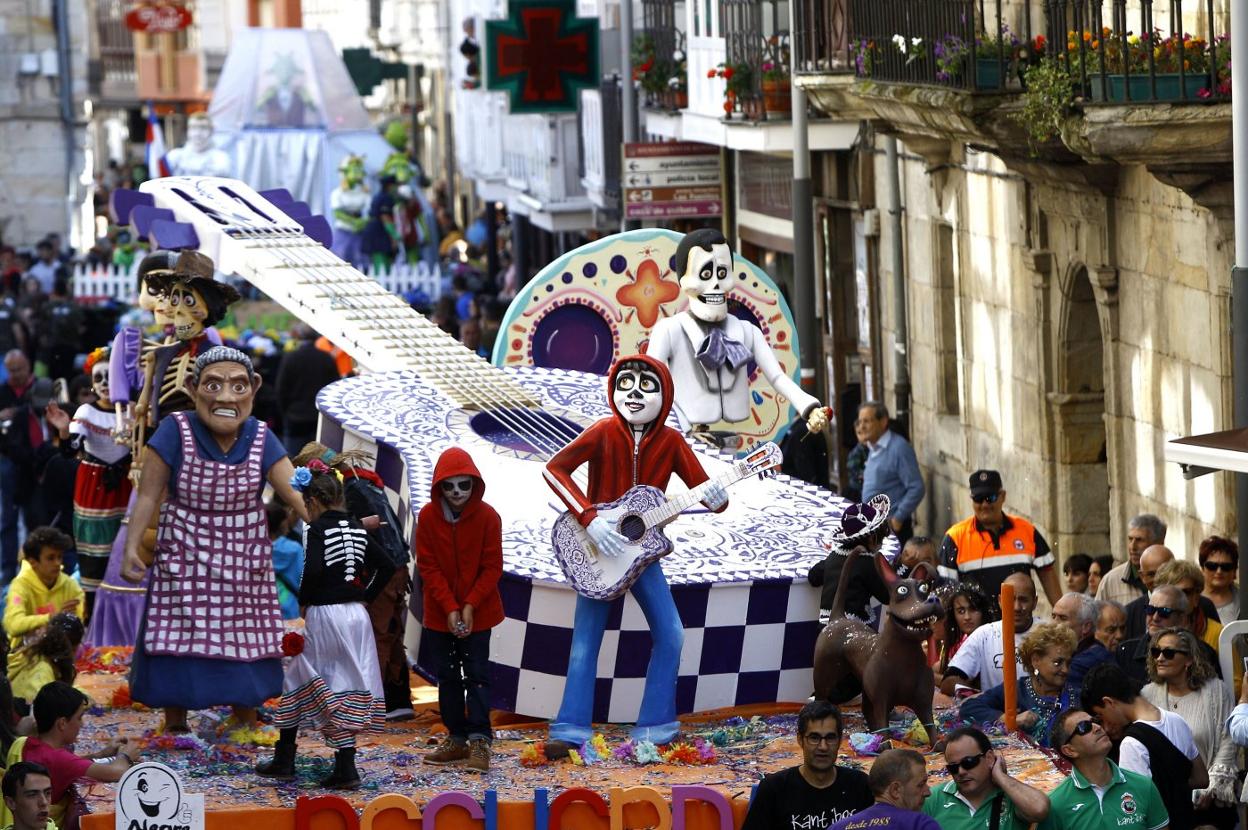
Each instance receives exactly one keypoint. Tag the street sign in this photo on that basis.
(159, 17)
(669, 180)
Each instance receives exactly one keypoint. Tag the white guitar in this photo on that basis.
(639, 516)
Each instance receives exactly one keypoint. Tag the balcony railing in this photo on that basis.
(540, 155)
(479, 122)
(821, 38)
(114, 75)
(662, 35)
(967, 44)
(1142, 54)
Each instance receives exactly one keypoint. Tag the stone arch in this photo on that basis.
(1080, 460)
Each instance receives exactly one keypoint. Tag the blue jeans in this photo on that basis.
(656, 721)
(462, 665)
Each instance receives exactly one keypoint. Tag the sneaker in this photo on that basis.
(478, 755)
(448, 752)
(400, 714)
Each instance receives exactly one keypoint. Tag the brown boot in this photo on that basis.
(478, 755)
(448, 752)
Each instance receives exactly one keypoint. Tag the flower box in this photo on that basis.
(992, 73)
(778, 98)
(1170, 86)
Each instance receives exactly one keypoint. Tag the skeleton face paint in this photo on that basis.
(638, 396)
(99, 381)
(457, 490)
(707, 282)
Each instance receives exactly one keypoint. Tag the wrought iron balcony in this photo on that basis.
(660, 56)
(112, 66)
(1153, 52)
(821, 38)
(601, 135)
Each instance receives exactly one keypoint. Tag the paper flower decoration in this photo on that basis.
(301, 479)
(292, 644)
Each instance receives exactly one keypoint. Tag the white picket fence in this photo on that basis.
(118, 283)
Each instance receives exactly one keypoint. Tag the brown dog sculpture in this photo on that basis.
(889, 668)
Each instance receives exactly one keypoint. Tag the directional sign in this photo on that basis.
(671, 180)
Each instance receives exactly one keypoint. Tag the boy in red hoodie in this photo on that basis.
(631, 446)
(459, 553)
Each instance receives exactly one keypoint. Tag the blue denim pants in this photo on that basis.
(656, 720)
(463, 669)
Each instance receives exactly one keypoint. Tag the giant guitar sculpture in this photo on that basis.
(738, 580)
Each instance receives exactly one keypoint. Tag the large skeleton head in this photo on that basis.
(187, 310)
(199, 133)
(707, 278)
(637, 394)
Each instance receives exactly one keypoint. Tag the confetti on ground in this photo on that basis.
(729, 749)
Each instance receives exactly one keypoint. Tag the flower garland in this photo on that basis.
(302, 476)
(597, 751)
(105, 659)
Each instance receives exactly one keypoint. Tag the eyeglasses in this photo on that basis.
(814, 739)
(989, 499)
(452, 486)
(1160, 611)
(1224, 567)
(1083, 727)
(1168, 653)
(968, 763)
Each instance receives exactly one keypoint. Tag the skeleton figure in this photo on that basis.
(709, 351)
(346, 545)
(198, 157)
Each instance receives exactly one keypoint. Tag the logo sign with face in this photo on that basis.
(150, 797)
(638, 396)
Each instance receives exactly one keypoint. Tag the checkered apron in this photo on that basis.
(213, 593)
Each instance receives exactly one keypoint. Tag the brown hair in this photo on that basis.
(333, 458)
(1044, 637)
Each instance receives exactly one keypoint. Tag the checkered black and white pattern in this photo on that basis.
(212, 586)
(738, 578)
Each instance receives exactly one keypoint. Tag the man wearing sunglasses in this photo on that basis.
(1166, 607)
(980, 787)
(1098, 794)
(990, 545)
(816, 793)
(1151, 741)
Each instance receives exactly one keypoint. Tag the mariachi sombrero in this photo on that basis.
(861, 520)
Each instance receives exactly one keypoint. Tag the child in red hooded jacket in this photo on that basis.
(459, 554)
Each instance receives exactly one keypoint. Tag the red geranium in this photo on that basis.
(292, 644)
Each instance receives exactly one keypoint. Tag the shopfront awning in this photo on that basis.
(1201, 454)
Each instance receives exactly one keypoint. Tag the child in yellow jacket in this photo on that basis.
(41, 589)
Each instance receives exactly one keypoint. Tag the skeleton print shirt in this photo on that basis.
(342, 563)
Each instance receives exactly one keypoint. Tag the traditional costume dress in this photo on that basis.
(212, 628)
(335, 682)
(119, 604)
(101, 490)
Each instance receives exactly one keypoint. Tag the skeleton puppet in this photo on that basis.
(709, 350)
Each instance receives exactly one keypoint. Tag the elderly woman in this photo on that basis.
(1042, 693)
(1182, 681)
(211, 630)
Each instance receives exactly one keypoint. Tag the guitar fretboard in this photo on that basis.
(673, 507)
(378, 329)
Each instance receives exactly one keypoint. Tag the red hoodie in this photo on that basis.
(460, 562)
(613, 466)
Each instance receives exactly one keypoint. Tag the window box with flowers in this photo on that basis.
(649, 73)
(738, 79)
(678, 78)
(1119, 69)
(777, 92)
(994, 59)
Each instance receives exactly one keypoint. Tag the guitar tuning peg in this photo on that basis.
(173, 236)
(122, 202)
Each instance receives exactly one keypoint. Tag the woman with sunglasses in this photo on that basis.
(1042, 692)
(1182, 681)
(1219, 559)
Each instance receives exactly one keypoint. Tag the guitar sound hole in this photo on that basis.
(528, 431)
(632, 528)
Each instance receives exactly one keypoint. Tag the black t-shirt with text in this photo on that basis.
(786, 801)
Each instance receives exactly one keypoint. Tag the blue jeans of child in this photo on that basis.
(656, 721)
(462, 665)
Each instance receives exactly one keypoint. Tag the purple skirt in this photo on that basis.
(118, 603)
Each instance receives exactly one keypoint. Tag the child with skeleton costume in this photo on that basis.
(333, 679)
(632, 446)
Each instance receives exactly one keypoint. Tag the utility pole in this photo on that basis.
(628, 105)
(806, 299)
(1239, 278)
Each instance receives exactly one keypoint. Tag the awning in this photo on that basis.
(1201, 454)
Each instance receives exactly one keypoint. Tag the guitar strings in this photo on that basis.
(545, 433)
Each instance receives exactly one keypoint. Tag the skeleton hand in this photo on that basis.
(716, 496)
(605, 537)
(817, 420)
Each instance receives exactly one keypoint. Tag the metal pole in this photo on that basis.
(803, 226)
(66, 79)
(627, 104)
(1239, 281)
(902, 337)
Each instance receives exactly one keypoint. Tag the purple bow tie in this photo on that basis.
(717, 350)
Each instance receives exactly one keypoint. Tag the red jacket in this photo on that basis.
(614, 467)
(460, 562)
